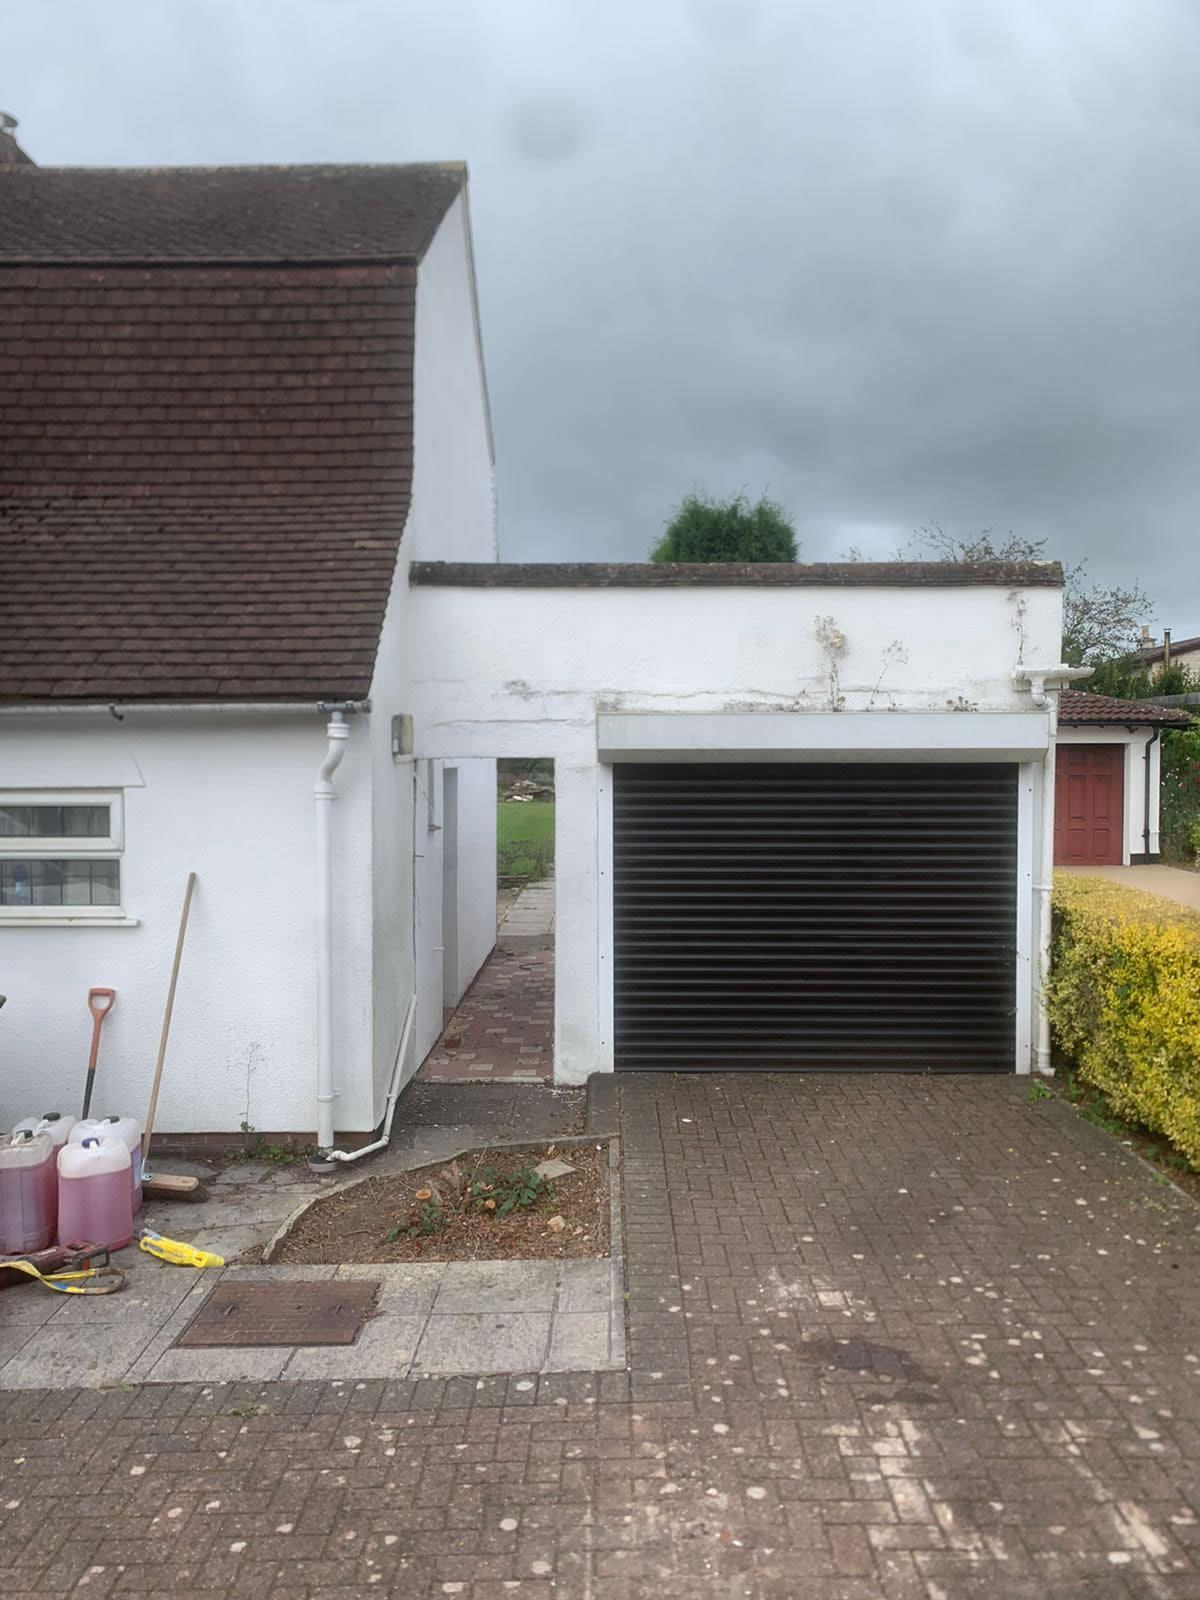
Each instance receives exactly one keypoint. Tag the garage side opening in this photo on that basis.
(502, 1029)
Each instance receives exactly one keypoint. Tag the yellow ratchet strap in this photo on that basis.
(100, 1280)
(179, 1255)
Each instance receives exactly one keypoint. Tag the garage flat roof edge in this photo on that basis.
(763, 574)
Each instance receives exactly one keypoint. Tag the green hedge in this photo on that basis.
(1125, 1002)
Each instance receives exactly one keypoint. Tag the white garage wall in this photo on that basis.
(528, 672)
(476, 868)
(229, 796)
(525, 671)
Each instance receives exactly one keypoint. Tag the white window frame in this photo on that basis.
(109, 847)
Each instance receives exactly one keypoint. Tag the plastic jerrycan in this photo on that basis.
(129, 1131)
(54, 1123)
(28, 1197)
(95, 1204)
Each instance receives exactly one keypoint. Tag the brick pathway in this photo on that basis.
(503, 1029)
(891, 1339)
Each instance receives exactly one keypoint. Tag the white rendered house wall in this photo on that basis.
(451, 517)
(229, 796)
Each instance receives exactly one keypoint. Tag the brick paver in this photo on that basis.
(891, 1339)
(503, 1029)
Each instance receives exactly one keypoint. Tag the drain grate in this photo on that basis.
(280, 1313)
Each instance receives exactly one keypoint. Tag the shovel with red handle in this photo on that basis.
(100, 1003)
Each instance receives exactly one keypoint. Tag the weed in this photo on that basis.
(257, 1147)
(281, 1155)
(430, 1219)
(1040, 1091)
(502, 1193)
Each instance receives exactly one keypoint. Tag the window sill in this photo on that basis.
(70, 922)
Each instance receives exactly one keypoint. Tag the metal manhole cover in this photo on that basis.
(280, 1313)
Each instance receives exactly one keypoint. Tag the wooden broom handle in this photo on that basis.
(166, 1027)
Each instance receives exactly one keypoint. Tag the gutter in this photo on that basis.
(120, 709)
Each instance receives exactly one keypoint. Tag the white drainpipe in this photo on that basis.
(323, 794)
(331, 1156)
(1044, 694)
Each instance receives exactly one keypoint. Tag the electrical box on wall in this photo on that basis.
(402, 735)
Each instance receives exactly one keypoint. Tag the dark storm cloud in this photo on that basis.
(892, 263)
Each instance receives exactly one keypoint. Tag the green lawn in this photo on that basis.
(525, 838)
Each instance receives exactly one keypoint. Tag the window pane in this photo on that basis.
(84, 822)
(38, 882)
(77, 883)
(106, 883)
(14, 883)
(47, 880)
(53, 822)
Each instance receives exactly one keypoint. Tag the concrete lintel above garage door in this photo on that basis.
(823, 736)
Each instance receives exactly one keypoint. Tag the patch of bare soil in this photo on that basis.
(459, 1211)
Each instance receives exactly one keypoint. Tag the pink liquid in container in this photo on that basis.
(94, 1197)
(28, 1194)
(129, 1131)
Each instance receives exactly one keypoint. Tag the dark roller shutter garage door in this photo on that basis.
(811, 917)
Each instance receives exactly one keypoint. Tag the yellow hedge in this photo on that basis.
(1125, 1002)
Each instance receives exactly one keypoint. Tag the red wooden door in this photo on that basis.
(1089, 805)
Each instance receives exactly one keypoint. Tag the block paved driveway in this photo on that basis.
(891, 1339)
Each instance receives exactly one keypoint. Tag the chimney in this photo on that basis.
(1166, 647)
(11, 154)
(1146, 639)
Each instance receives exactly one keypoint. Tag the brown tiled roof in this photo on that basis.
(204, 476)
(1077, 706)
(227, 214)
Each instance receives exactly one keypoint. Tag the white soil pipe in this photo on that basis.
(393, 1091)
(323, 795)
(1044, 694)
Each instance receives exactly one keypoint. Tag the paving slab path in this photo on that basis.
(528, 922)
(889, 1339)
(1172, 883)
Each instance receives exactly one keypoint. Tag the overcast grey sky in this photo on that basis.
(893, 261)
